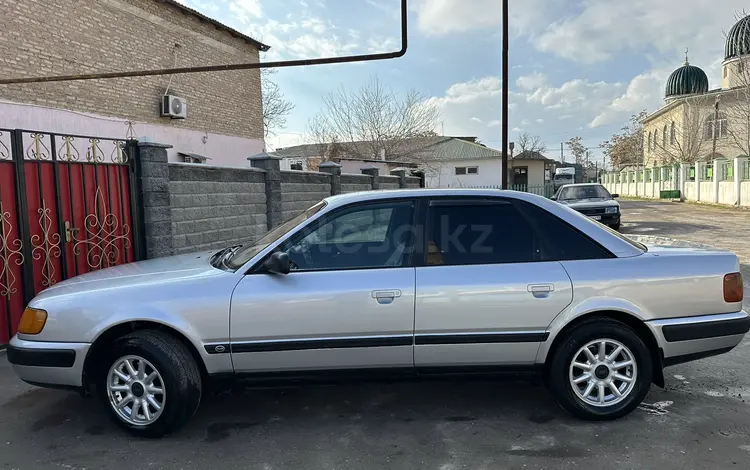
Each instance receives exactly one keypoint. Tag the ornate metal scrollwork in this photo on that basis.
(94, 153)
(102, 237)
(118, 155)
(47, 246)
(10, 251)
(4, 150)
(68, 151)
(37, 149)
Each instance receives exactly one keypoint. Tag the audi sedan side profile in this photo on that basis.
(413, 283)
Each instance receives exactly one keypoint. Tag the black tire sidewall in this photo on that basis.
(181, 401)
(576, 339)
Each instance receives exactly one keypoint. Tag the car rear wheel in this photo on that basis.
(150, 384)
(601, 371)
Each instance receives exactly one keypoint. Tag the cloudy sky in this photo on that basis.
(578, 67)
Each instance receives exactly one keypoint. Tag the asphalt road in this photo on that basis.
(701, 420)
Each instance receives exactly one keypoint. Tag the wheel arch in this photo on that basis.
(638, 325)
(108, 336)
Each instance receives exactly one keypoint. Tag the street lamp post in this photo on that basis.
(505, 95)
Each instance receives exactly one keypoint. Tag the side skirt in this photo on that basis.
(527, 373)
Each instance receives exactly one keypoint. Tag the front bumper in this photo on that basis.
(606, 219)
(688, 338)
(48, 364)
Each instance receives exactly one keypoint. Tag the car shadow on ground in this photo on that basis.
(662, 228)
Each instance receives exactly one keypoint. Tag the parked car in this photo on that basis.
(414, 283)
(592, 200)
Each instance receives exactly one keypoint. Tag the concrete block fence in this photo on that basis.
(189, 207)
(716, 182)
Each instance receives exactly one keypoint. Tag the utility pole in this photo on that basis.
(562, 154)
(716, 124)
(505, 94)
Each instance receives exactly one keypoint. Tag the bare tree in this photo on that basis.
(736, 104)
(626, 146)
(531, 143)
(275, 107)
(575, 145)
(374, 122)
(685, 140)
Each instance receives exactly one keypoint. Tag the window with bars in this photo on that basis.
(716, 127)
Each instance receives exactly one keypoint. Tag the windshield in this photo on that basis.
(245, 254)
(584, 192)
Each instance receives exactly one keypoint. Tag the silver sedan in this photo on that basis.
(410, 283)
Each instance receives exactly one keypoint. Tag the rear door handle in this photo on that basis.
(386, 296)
(540, 290)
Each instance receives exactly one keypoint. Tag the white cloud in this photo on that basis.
(308, 38)
(575, 94)
(476, 119)
(530, 82)
(437, 17)
(604, 28)
(246, 9)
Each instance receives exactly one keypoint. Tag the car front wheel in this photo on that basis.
(151, 384)
(601, 371)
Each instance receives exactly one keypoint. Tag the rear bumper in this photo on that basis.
(48, 364)
(688, 338)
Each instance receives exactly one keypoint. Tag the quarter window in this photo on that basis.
(369, 236)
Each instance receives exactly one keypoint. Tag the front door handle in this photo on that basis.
(540, 291)
(386, 296)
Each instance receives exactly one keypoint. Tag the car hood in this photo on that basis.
(150, 272)
(590, 203)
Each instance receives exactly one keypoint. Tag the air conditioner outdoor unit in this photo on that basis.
(173, 107)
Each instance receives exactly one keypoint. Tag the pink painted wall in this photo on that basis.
(223, 150)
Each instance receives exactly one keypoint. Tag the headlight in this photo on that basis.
(610, 210)
(32, 321)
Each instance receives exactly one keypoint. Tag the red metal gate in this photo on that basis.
(67, 207)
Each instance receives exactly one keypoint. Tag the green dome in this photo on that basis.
(738, 39)
(687, 80)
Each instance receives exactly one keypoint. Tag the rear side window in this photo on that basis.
(469, 232)
(561, 242)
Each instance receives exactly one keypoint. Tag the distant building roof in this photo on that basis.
(433, 148)
(529, 155)
(219, 25)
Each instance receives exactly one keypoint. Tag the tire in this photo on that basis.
(589, 333)
(177, 376)
(616, 226)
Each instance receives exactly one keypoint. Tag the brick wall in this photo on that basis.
(300, 190)
(189, 207)
(351, 183)
(413, 182)
(388, 182)
(54, 37)
(215, 207)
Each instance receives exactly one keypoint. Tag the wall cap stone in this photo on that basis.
(154, 144)
(266, 156)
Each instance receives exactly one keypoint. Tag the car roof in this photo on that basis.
(596, 231)
(581, 184)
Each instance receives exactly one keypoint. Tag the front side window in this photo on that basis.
(369, 236)
(245, 254)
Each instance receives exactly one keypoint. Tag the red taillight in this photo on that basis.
(733, 287)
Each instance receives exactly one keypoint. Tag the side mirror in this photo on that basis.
(554, 198)
(277, 263)
(615, 196)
